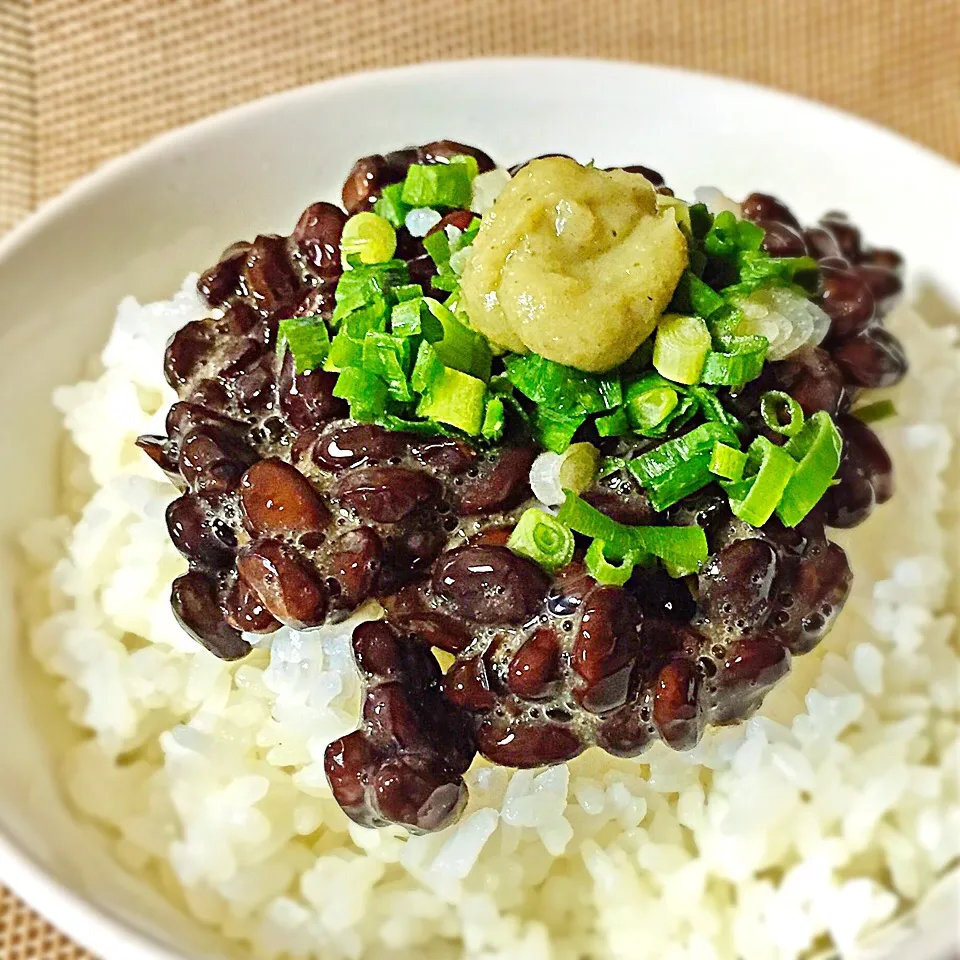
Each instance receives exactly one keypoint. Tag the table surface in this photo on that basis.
(85, 80)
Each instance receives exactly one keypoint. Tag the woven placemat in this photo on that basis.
(85, 80)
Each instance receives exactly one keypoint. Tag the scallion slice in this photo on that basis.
(781, 413)
(460, 347)
(680, 347)
(613, 424)
(613, 573)
(680, 466)
(437, 185)
(307, 339)
(768, 470)
(649, 408)
(369, 237)
(390, 205)
(494, 419)
(739, 365)
(875, 412)
(364, 391)
(817, 447)
(684, 547)
(543, 538)
(727, 462)
(455, 398)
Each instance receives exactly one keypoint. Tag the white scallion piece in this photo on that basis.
(786, 318)
(716, 201)
(486, 188)
(574, 469)
(421, 220)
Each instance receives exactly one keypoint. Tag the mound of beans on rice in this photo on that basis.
(291, 513)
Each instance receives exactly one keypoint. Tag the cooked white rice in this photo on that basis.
(830, 812)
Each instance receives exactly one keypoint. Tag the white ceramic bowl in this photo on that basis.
(140, 224)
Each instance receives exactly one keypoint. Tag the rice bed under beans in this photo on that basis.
(828, 813)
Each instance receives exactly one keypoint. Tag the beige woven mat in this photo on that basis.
(84, 80)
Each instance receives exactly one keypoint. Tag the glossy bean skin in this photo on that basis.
(318, 233)
(872, 358)
(212, 460)
(490, 584)
(404, 764)
(525, 744)
(498, 485)
(289, 588)
(221, 282)
(535, 668)
(735, 586)
(811, 377)
(245, 611)
(387, 494)
(751, 667)
(676, 708)
(762, 206)
(353, 570)
(197, 609)
(865, 476)
(847, 300)
(307, 399)
(196, 527)
(781, 239)
(817, 593)
(468, 685)
(277, 499)
(606, 648)
(343, 445)
(267, 273)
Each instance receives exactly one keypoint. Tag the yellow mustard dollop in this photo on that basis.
(573, 263)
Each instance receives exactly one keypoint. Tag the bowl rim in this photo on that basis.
(90, 925)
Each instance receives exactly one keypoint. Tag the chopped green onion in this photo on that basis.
(390, 205)
(470, 162)
(543, 538)
(817, 447)
(460, 347)
(727, 462)
(389, 358)
(692, 295)
(613, 424)
(494, 419)
(411, 318)
(680, 347)
(740, 365)
(610, 573)
(649, 408)
(564, 390)
(307, 339)
(713, 409)
(610, 465)
(555, 431)
(728, 236)
(437, 185)
(767, 472)
(344, 352)
(427, 369)
(365, 392)
(758, 269)
(781, 413)
(455, 398)
(369, 237)
(685, 547)
(875, 412)
(680, 466)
